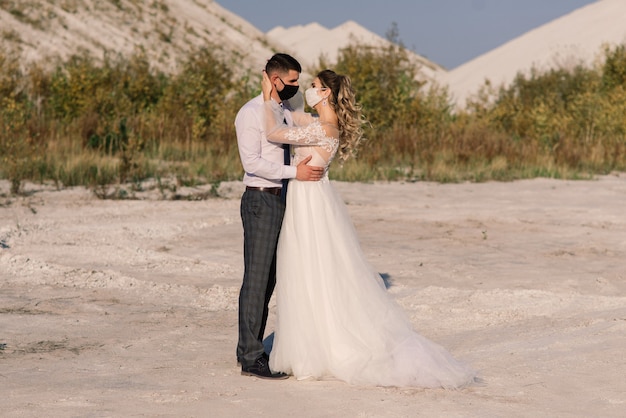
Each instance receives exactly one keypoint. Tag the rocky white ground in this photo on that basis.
(128, 308)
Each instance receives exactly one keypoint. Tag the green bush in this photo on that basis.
(94, 123)
(20, 146)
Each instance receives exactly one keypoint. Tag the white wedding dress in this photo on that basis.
(335, 318)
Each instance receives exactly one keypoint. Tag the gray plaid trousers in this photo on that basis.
(262, 216)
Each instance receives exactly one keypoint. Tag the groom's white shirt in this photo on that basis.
(263, 161)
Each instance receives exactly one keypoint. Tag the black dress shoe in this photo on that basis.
(261, 369)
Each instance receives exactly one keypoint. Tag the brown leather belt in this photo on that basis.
(273, 190)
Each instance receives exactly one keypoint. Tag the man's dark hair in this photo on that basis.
(282, 63)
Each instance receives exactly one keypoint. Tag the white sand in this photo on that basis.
(129, 308)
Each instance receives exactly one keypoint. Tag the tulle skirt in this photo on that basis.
(334, 315)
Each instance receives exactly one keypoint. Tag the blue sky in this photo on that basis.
(449, 32)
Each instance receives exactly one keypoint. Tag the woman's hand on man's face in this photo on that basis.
(266, 86)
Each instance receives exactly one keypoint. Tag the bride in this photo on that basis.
(334, 315)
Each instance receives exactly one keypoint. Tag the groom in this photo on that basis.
(262, 210)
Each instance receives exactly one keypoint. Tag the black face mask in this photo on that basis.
(288, 91)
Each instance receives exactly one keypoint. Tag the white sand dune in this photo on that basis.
(119, 308)
(166, 31)
(573, 39)
(312, 41)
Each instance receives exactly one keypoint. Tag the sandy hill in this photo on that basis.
(165, 29)
(309, 42)
(575, 38)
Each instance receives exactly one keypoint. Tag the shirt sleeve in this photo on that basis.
(249, 141)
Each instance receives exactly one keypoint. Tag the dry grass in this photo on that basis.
(92, 124)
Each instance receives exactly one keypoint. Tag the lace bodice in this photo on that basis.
(308, 136)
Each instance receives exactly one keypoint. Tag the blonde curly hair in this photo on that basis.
(350, 119)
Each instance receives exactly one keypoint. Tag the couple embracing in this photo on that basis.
(335, 318)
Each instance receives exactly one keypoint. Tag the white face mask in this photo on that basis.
(312, 96)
